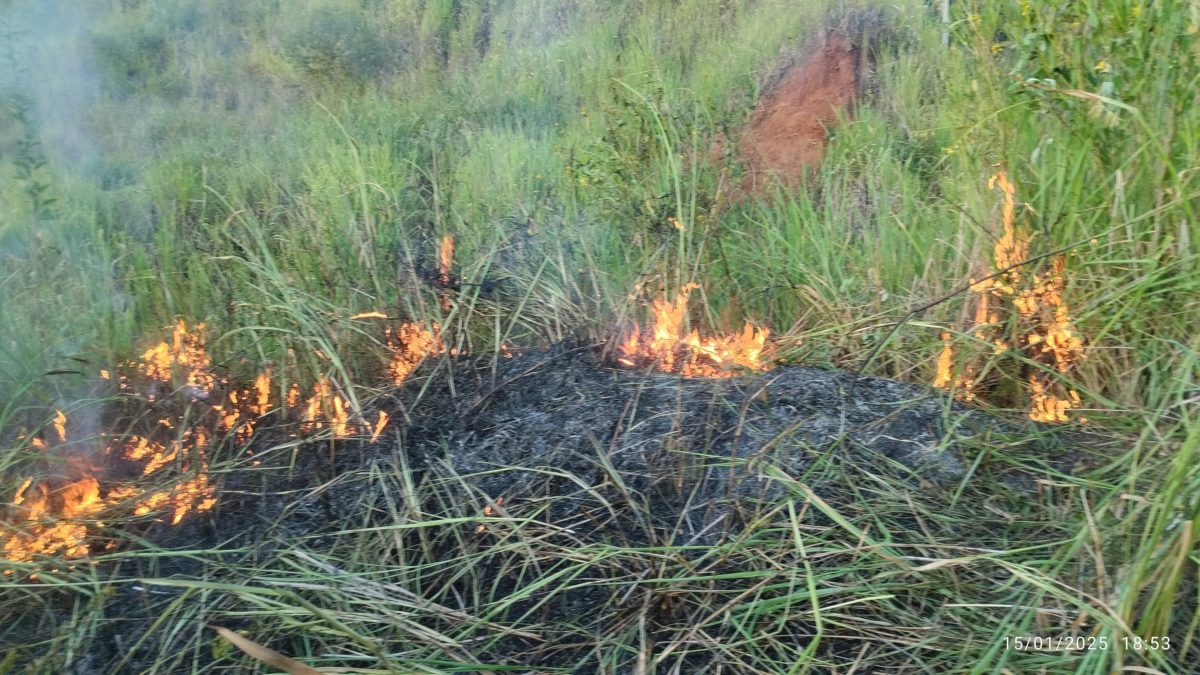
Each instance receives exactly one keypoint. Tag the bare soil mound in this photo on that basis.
(788, 130)
(665, 433)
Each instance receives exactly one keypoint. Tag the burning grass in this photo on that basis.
(674, 487)
(1021, 311)
(379, 564)
(545, 505)
(58, 517)
(671, 348)
(411, 344)
(45, 517)
(184, 357)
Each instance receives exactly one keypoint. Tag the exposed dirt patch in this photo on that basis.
(789, 129)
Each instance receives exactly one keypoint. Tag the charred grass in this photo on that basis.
(557, 145)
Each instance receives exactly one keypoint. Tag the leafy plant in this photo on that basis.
(332, 45)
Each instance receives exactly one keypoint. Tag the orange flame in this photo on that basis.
(47, 512)
(383, 420)
(340, 421)
(262, 388)
(945, 364)
(185, 357)
(60, 536)
(963, 384)
(325, 407)
(410, 344)
(1049, 408)
(50, 514)
(20, 498)
(152, 453)
(57, 516)
(445, 257)
(672, 350)
(312, 409)
(60, 425)
(230, 414)
(244, 408)
(195, 494)
(1009, 249)
(1046, 332)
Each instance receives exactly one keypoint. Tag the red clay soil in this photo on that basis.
(789, 128)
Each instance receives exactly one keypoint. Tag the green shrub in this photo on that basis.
(335, 45)
(137, 59)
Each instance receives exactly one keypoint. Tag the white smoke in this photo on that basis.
(46, 61)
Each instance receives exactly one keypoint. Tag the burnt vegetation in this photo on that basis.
(595, 337)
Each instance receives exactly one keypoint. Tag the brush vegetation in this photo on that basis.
(273, 168)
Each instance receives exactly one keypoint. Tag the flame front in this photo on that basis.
(445, 257)
(56, 516)
(184, 357)
(383, 420)
(60, 426)
(1046, 333)
(670, 348)
(945, 364)
(262, 390)
(326, 408)
(410, 343)
(154, 455)
(444, 279)
(50, 523)
(163, 472)
(195, 494)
